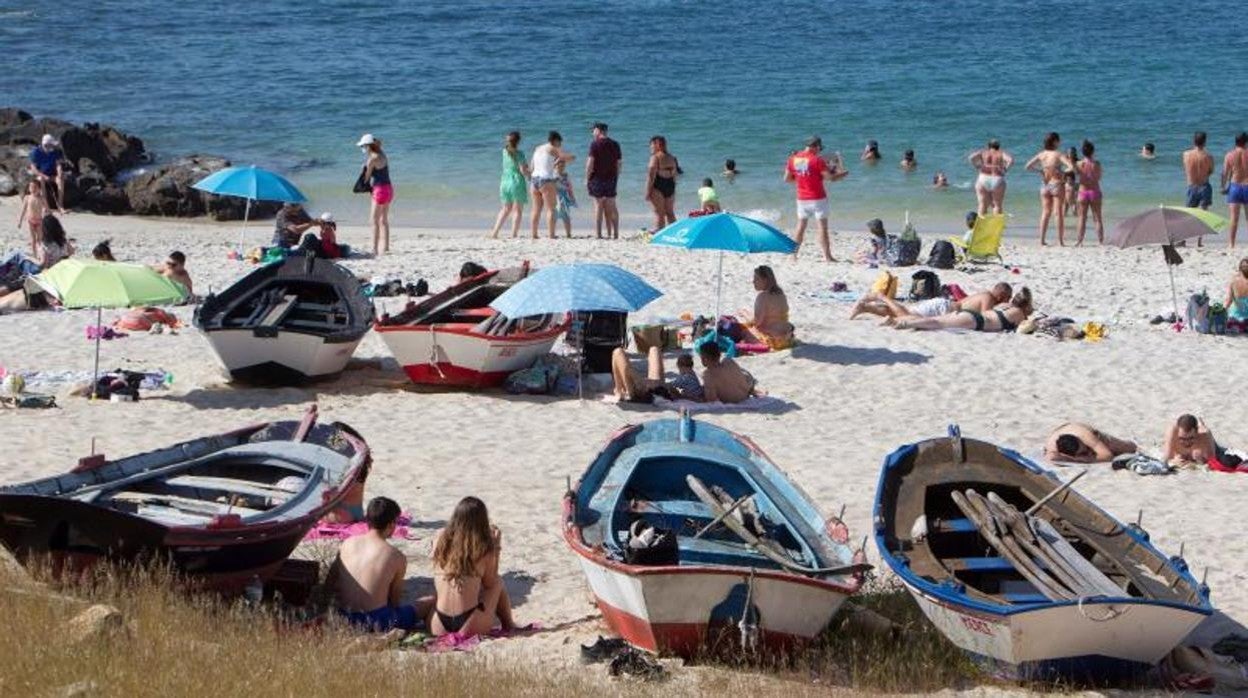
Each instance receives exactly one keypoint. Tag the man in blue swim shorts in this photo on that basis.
(1198, 166)
(1235, 180)
(368, 575)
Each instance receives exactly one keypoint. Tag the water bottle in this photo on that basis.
(254, 591)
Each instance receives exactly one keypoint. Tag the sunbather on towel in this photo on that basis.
(470, 594)
(769, 323)
(891, 310)
(1004, 319)
(631, 386)
(1074, 442)
(1189, 442)
(367, 576)
(722, 379)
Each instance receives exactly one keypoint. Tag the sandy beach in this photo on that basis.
(857, 391)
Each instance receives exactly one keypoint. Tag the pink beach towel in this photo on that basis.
(455, 642)
(339, 531)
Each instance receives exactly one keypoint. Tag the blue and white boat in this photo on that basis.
(737, 546)
(1030, 578)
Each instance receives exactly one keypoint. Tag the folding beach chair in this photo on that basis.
(985, 242)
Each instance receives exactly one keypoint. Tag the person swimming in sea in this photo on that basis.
(730, 170)
(871, 152)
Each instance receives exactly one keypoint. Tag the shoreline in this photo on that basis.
(858, 392)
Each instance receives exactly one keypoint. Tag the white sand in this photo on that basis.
(861, 391)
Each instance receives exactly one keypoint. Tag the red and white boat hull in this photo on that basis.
(435, 355)
(681, 609)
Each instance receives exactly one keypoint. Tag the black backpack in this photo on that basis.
(901, 252)
(924, 284)
(941, 256)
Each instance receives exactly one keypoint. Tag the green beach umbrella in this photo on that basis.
(91, 284)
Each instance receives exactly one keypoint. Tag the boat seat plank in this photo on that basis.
(226, 484)
(698, 549)
(172, 516)
(278, 312)
(1025, 598)
(956, 526)
(675, 507)
(315, 324)
(186, 504)
(979, 564)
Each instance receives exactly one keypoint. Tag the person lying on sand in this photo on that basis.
(996, 320)
(891, 310)
(1189, 442)
(631, 386)
(470, 594)
(722, 379)
(1074, 442)
(367, 576)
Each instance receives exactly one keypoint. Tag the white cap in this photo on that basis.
(49, 139)
(366, 139)
(327, 217)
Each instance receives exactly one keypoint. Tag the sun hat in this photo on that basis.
(48, 139)
(366, 139)
(327, 217)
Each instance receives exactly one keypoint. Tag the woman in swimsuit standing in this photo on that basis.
(469, 592)
(996, 320)
(513, 188)
(377, 173)
(1050, 163)
(992, 163)
(661, 182)
(1089, 171)
(544, 162)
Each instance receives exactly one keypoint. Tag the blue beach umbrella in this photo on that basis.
(572, 287)
(726, 232)
(253, 184)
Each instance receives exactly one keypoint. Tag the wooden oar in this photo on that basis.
(1045, 499)
(1023, 533)
(1019, 556)
(988, 528)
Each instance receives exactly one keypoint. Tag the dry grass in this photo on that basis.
(179, 644)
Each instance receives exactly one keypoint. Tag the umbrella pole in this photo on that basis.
(243, 231)
(95, 372)
(1174, 294)
(719, 288)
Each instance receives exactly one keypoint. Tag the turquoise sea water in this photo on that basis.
(292, 85)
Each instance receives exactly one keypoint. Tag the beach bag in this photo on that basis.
(1198, 312)
(924, 284)
(361, 185)
(649, 545)
(537, 380)
(885, 285)
(903, 250)
(1217, 318)
(941, 256)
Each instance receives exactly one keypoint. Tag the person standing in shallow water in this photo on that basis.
(992, 164)
(1198, 168)
(377, 173)
(602, 173)
(544, 162)
(513, 190)
(1051, 164)
(1235, 180)
(661, 182)
(1090, 198)
(808, 171)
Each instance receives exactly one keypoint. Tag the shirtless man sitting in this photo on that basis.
(367, 576)
(174, 268)
(1074, 442)
(722, 379)
(1189, 442)
(891, 310)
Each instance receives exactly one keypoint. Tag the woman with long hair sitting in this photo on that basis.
(470, 594)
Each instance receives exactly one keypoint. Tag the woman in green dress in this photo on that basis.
(513, 190)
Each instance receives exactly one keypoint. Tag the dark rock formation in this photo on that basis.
(96, 154)
(166, 190)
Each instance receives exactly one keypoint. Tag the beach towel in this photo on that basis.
(342, 531)
(1228, 462)
(1141, 464)
(756, 403)
(829, 295)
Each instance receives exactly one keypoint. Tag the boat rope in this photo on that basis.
(1112, 612)
(433, 351)
(748, 628)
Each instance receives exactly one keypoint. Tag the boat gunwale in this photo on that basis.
(961, 600)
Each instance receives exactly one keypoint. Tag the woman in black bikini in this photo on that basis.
(469, 592)
(996, 320)
(661, 182)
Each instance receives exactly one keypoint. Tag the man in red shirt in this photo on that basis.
(808, 170)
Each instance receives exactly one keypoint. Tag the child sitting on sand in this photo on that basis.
(708, 197)
(686, 385)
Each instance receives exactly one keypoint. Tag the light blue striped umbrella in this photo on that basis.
(253, 184)
(572, 287)
(726, 232)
